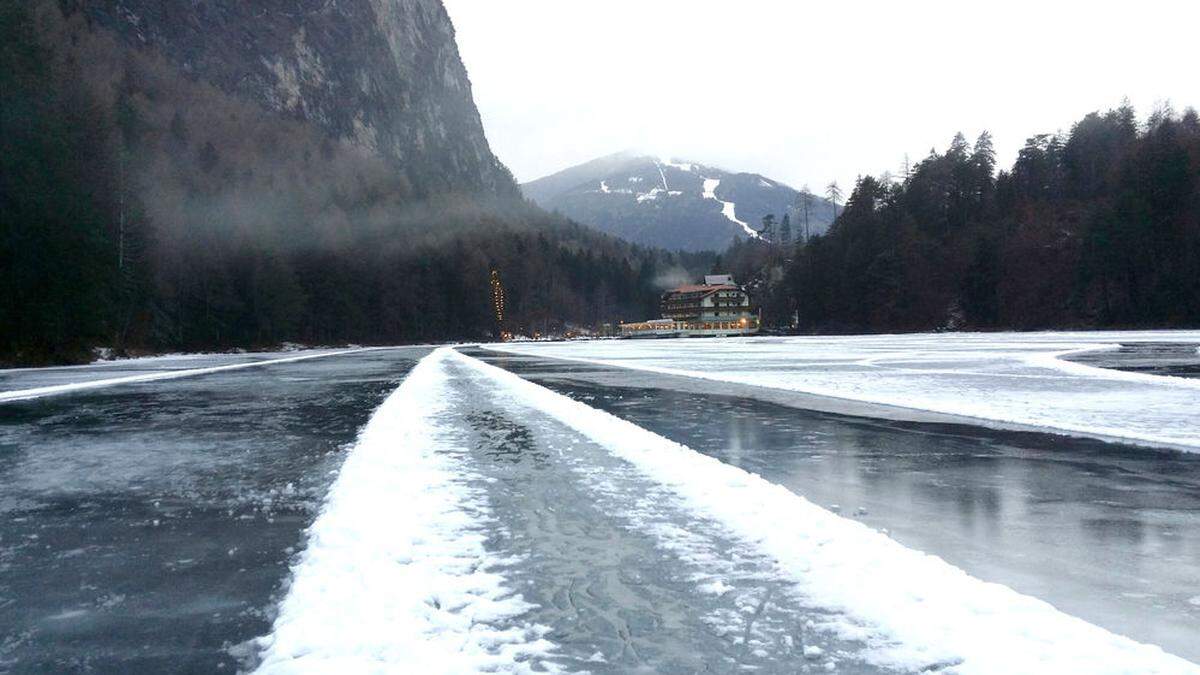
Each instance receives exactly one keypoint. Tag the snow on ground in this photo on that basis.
(913, 610)
(395, 577)
(728, 209)
(38, 392)
(651, 195)
(1009, 378)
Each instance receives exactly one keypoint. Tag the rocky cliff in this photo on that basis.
(384, 74)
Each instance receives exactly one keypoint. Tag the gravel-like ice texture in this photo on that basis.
(1020, 379)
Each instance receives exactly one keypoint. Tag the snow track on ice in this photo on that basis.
(39, 392)
(913, 610)
(395, 577)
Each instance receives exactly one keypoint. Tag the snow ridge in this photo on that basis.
(395, 577)
(915, 611)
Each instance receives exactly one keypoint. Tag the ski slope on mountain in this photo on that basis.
(728, 209)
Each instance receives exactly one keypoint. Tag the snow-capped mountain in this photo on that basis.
(673, 204)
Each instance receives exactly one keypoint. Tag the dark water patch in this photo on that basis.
(1150, 358)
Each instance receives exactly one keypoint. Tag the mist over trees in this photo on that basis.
(142, 209)
(1096, 227)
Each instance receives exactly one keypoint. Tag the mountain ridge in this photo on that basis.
(673, 203)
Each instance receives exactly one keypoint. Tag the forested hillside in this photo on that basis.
(145, 208)
(1096, 227)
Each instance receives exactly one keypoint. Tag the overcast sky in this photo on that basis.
(808, 92)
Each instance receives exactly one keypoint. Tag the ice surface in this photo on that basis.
(158, 374)
(168, 512)
(396, 577)
(1010, 378)
(914, 611)
(617, 566)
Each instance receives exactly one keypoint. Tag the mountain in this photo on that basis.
(186, 175)
(383, 74)
(673, 204)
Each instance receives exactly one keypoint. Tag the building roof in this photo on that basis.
(703, 288)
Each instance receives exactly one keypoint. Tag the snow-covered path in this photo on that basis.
(396, 574)
(547, 533)
(1009, 378)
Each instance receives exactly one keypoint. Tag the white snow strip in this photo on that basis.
(395, 577)
(1009, 378)
(915, 611)
(663, 176)
(23, 394)
(604, 187)
(728, 209)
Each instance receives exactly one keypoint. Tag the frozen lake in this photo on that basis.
(1104, 531)
(148, 527)
(1032, 380)
(473, 521)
